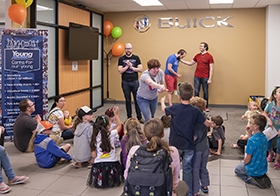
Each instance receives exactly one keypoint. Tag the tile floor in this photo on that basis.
(65, 180)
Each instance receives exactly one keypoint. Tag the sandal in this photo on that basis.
(276, 165)
(270, 158)
(234, 146)
(19, 180)
(4, 189)
(76, 165)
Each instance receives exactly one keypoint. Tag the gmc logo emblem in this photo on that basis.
(188, 23)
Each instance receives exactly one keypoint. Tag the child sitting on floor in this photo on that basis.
(106, 170)
(217, 139)
(134, 136)
(67, 118)
(252, 109)
(47, 153)
(82, 137)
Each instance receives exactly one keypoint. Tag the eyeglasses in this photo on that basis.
(63, 100)
(128, 48)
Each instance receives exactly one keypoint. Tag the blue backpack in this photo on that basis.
(149, 174)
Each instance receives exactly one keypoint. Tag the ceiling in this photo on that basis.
(130, 5)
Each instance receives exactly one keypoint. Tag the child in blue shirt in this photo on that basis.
(47, 153)
(254, 167)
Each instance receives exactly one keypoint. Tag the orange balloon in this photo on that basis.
(17, 13)
(107, 28)
(117, 49)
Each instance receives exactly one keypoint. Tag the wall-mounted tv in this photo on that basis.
(83, 42)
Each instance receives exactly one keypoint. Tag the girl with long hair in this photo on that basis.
(272, 114)
(153, 130)
(134, 136)
(106, 170)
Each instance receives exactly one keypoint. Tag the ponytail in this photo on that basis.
(154, 131)
(77, 121)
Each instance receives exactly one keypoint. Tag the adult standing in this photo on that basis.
(129, 66)
(171, 73)
(25, 125)
(151, 83)
(56, 117)
(204, 71)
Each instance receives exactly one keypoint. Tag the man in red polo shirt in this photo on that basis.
(204, 71)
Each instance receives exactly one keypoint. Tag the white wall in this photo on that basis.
(272, 48)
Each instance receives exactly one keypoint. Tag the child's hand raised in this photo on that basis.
(116, 110)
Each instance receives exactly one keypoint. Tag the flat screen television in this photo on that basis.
(83, 42)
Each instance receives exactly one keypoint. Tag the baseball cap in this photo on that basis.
(44, 125)
(85, 110)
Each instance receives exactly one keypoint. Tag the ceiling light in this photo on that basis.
(43, 8)
(148, 2)
(220, 1)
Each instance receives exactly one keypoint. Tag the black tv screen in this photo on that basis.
(83, 42)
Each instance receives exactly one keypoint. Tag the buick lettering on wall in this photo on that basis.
(141, 23)
(211, 21)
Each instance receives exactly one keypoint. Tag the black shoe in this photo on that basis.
(204, 189)
(262, 182)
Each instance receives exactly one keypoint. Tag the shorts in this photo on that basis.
(171, 82)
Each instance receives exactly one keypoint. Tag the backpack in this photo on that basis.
(149, 173)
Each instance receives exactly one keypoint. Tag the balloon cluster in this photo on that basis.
(115, 32)
(17, 12)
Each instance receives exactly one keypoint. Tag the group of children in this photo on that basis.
(185, 127)
(271, 110)
(94, 146)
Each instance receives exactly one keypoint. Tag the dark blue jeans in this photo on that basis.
(67, 134)
(128, 88)
(197, 83)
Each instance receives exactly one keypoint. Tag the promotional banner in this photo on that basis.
(23, 66)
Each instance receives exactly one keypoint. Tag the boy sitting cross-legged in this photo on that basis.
(47, 153)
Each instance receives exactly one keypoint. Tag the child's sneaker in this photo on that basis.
(204, 189)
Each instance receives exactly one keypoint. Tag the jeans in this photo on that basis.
(203, 82)
(6, 165)
(67, 134)
(200, 171)
(128, 88)
(187, 165)
(148, 107)
(240, 171)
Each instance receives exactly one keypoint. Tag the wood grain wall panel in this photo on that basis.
(71, 14)
(71, 80)
(75, 101)
(68, 80)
